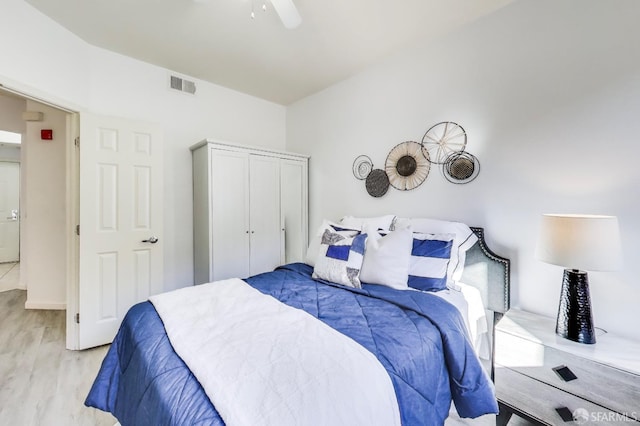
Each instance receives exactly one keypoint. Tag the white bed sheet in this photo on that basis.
(468, 301)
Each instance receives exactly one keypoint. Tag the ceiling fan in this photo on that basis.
(287, 12)
(285, 9)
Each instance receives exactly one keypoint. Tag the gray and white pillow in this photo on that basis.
(340, 258)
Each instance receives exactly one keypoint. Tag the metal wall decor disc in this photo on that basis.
(377, 183)
(407, 165)
(461, 167)
(444, 139)
(362, 166)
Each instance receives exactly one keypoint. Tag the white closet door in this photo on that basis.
(265, 218)
(229, 214)
(293, 187)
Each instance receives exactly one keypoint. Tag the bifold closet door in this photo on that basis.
(230, 226)
(266, 251)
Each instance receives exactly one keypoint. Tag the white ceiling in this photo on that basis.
(217, 40)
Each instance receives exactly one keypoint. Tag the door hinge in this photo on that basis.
(76, 141)
(77, 229)
(77, 317)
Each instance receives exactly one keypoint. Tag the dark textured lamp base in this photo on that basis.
(575, 321)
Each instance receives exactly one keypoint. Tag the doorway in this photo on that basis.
(117, 253)
(33, 199)
(9, 212)
(12, 129)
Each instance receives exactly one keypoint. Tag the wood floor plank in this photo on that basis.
(42, 383)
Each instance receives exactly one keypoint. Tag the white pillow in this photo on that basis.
(386, 259)
(340, 258)
(464, 239)
(314, 243)
(379, 222)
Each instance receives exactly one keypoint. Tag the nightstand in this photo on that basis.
(601, 383)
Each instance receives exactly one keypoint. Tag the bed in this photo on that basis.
(420, 341)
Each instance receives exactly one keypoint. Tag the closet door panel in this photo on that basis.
(293, 184)
(265, 218)
(230, 214)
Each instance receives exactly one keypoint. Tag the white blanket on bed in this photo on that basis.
(262, 362)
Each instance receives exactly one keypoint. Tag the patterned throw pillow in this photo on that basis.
(430, 257)
(316, 240)
(340, 258)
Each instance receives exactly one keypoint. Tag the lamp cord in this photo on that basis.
(603, 331)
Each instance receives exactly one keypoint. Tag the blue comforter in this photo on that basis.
(418, 337)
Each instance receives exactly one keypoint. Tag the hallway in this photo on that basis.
(9, 276)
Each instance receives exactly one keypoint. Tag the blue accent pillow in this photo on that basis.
(430, 257)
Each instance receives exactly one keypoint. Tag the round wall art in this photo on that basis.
(443, 139)
(362, 166)
(407, 165)
(377, 183)
(461, 167)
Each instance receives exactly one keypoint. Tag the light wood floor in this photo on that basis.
(9, 276)
(41, 383)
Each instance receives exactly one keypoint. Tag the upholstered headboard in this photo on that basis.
(489, 273)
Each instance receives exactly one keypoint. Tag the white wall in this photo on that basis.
(549, 93)
(43, 240)
(11, 110)
(44, 59)
(140, 92)
(11, 121)
(125, 87)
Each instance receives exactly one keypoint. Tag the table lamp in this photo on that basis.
(580, 243)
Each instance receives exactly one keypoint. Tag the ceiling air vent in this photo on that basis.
(183, 85)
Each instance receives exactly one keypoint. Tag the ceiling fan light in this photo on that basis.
(288, 13)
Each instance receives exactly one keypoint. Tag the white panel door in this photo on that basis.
(121, 222)
(9, 212)
(293, 196)
(265, 218)
(229, 214)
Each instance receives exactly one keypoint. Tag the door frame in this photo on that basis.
(72, 195)
(73, 227)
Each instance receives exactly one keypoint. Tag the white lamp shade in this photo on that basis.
(584, 242)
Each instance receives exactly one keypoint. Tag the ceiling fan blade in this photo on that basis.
(288, 13)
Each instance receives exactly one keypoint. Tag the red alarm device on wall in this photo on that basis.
(46, 134)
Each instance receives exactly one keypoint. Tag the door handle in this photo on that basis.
(14, 215)
(151, 240)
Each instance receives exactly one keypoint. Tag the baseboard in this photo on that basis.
(15, 287)
(45, 305)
